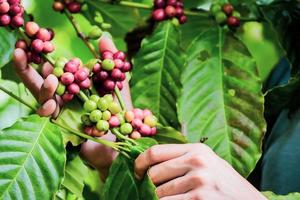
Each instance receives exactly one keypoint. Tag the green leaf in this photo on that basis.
(10, 109)
(272, 196)
(8, 40)
(156, 75)
(32, 159)
(168, 135)
(75, 173)
(222, 98)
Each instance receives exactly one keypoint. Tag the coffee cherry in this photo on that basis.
(58, 6)
(116, 74)
(95, 33)
(107, 55)
(236, 14)
(74, 7)
(179, 4)
(67, 97)
(145, 130)
(129, 116)
(81, 75)
(106, 115)
(16, 9)
(171, 2)
(31, 28)
(114, 108)
(220, 17)
(95, 98)
(170, 11)
(88, 130)
(21, 44)
(43, 34)
(150, 121)
(71, 67)
(97, 133)
(86, 84)
(37, 45)
(109, 98)
(89, 106)
(48, 47)
(126, 129)
(119, 55)
(4, 8)
(67, 78)
(12, 2)
(85, 119)
(178, 12)
(36, 58)
(153, 131)
(109, 85)
(58, 72)
(137, 123)
(102, 104)
(227, 9)
(233, 22)
(120, 85)
(17, 21)
(215, 8)
(108, 64)
(147, 112)
(4, 20)
(159, 3)
(51, 32)
(126, 67)
(95, 116)
(121, 118)
(73, 88)
(60, 62)
(103, 75)
(60, 90)
(138, 113)
(182, 19)
(159, 14)
(114, 122)
(118, 63)
(96, 68)
(135, 135)
(102, 125)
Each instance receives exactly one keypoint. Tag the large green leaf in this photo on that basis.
(8, 40)
(32, 159)
(156, 75)
(222, 98)
(272, 196)
(10, 109)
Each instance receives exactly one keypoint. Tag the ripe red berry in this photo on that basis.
(96, 68)
(86, 84)
(36, 58)
(67, 78)
(17, 21)
(179, 12)
(116, 74)
(4, 7)
(227, 9)
(12, 2)
(107, 55)
(103, 75)
(31, 28)
(233, 22)
(159, 14)
(43, 34)
(123, 77)
(67, 97)
(16, 9)
(120, 85)
(29, 59)
(118, 63)
(109, 85)
(21, 44)
(182, 19)
(147, 113)
(135, 135)
(51, 33)
(153, 131)
(114, 122)
(119, 55)
(71, 66)
(138, 113)
(4, 20)
(159, 3)
(171, 2)
(129, 116)
(37, 45)
(58, 6)
(48, 47)
(170, 11)
(74, 7)
(73, 88)
(179, 4)
(81, 75)
(145, 130)
(137, 123)
(126, 67)
(88, 130)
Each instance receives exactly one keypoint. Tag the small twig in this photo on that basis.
(121, 136)
(120, 99)
(82, 96)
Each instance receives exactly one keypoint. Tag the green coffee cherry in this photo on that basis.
(114, 108)
(95, 33)
(121, 118)
(98, 18)
(236, 14)
(94, 98)
(86, 120)
(215, 8)
(60, 90)
(150, 121)
(102, 104)
(108, 97)
(95, 116)
(84, 8)
(106, 115)
(57, 71)
(108, 64)
(126, 129)
(90, 106)
(102, 125)
(60, 62)
(220, 17)
(105, 26)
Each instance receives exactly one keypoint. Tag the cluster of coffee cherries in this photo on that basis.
(40, 42)
(102, 114)
(225, 14)
(11, 13)
(110, 72)
(168, 9)
(73, 77)
(143, 123)
(71, 5)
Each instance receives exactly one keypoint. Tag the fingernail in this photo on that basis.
(47, 84)
(18, 52)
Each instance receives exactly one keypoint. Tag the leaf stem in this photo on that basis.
(82, 96)
(80, 34)
(17, 98)
(120, 99)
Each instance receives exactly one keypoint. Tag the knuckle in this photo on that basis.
(195, 160)
(151, 154)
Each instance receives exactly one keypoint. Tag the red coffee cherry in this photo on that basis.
(86, 84)
(17, 21)
(170, 11)
(159, 14)
(37, 45)
(67, 78)
(21, 44)
(159, 3)
(5, 20)
(58, 6)
(233, 22)
(67, 97)
(74, 7)
(4, 7)
(31, 28)
(48, 47)
(73, 89)
(43, 34)
(119, 55)
(182, 19)
(227, 9)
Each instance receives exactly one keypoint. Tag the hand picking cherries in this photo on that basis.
(72, 5)
(111, 72)
(73, 77)
(168, 9)
(11, 13)
(226, 15)
(40, 42)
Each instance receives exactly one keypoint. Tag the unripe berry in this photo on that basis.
(60, 90)
(58, 72)
(67, 78)
(97, 133)
(106, 115)
(73, 88)
(170, 11)
(236, 14)
(95, 33)
(31, 28)
(89, 106)
(145, 130)
(95, 98)
(126, 67)
(86, 84)
(60, 62)
(16, 9)
(159, 14)
(150, 121)
(103, 75)
(43, 34)
(233, 22)
(4, 20)
(48, 47)
(119, 55)
(114, 108)
(109, 98)
(129, 116)
(81, 75)
(74, 7)
(137, 123)
(138, 113)
(21, 44)
(67, 97)
(102, 104)
(114, 122)
(121, 118)
(159, 3)
(220, 17)
(126, 129)
(85, 119)
(109, 85)
(227, 9)
(135, 135)
(88, 130)
(107, 55)
(4, 7)
(119, 63)
(102, 125)
(215, 8)
(116, 74)
(108, 65)
(182, 19)
(95, 116)
(71, 67)
(17, 21)
(58, 6)
(37, 45)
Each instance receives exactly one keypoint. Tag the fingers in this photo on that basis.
(176, 197)
(48, 108)
(106, 44)
(48, 88)
(30, 77)
(157, 154)
(47, 69)
(168, 170)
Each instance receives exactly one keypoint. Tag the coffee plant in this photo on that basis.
(196, 71)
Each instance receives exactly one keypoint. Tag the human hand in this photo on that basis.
(193, 171)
